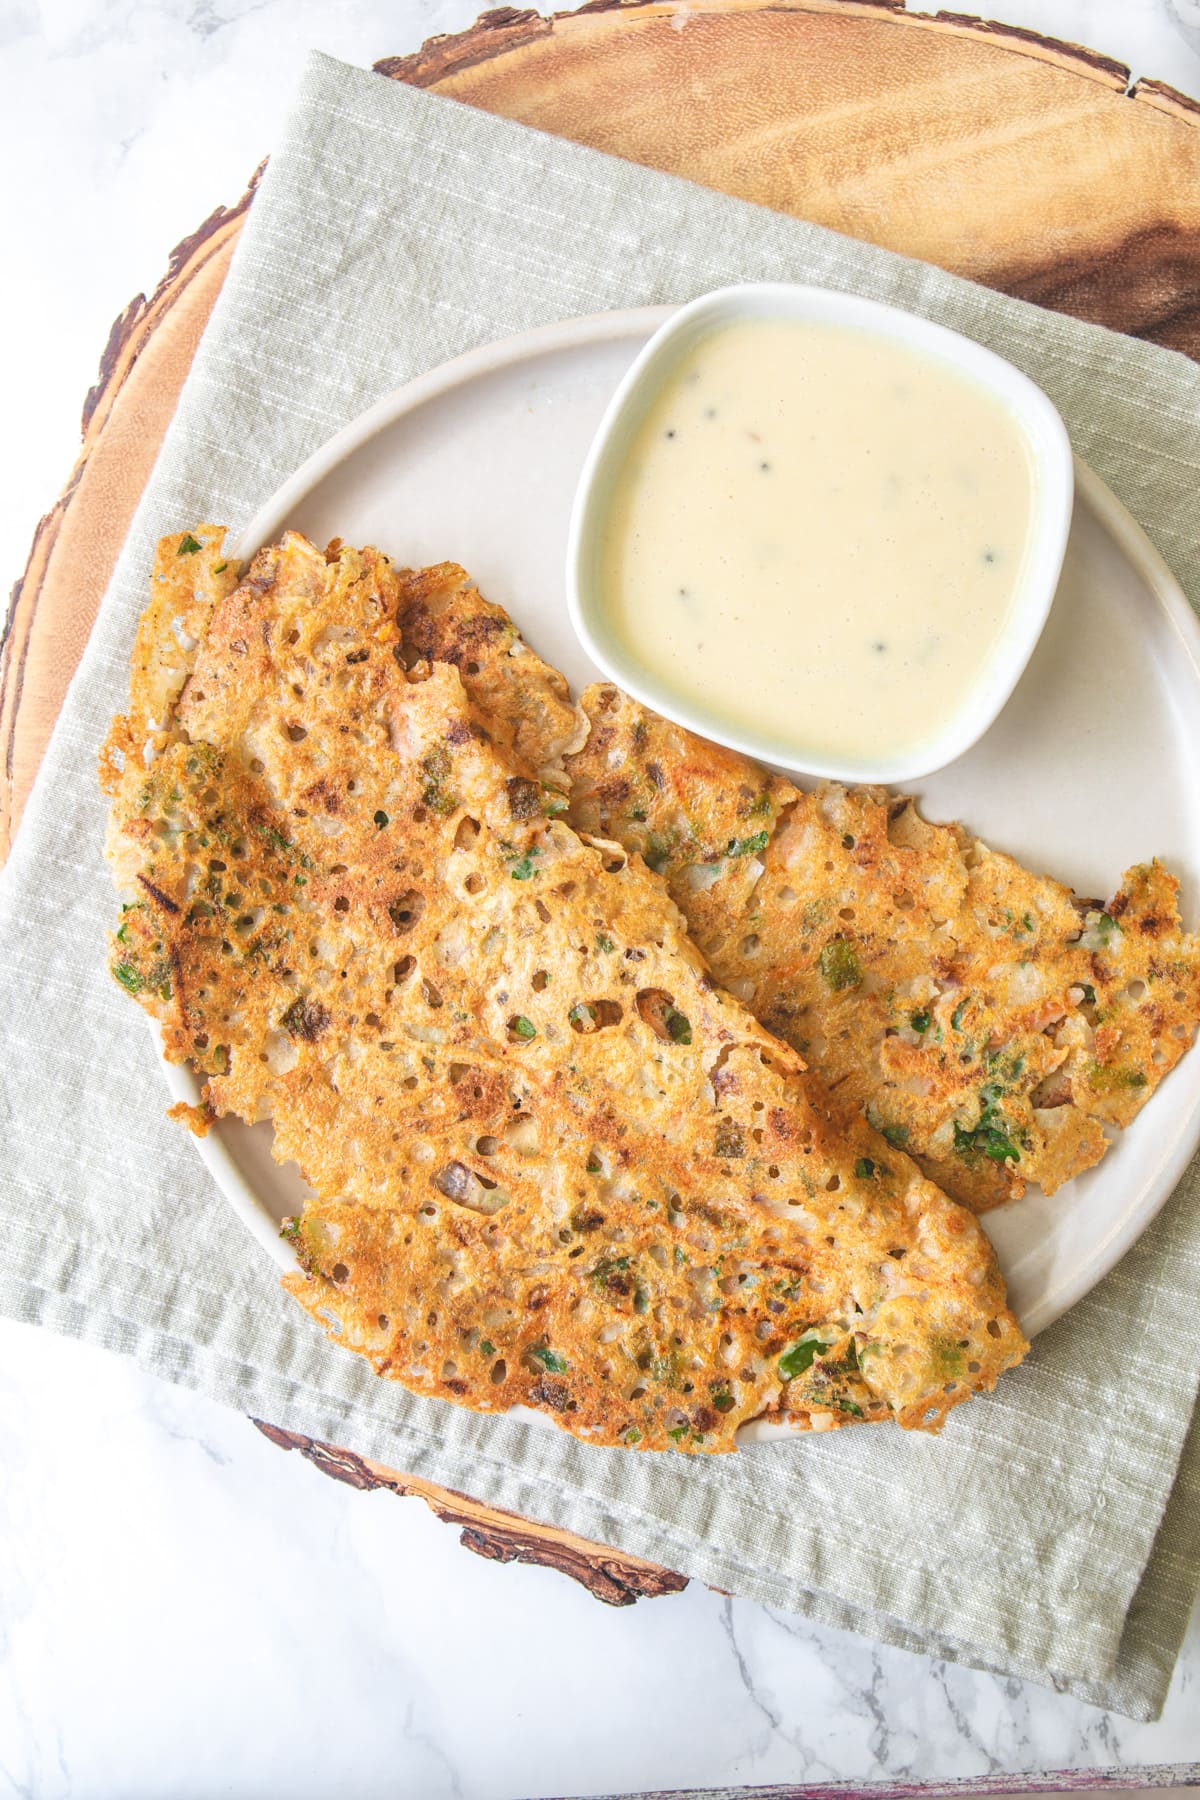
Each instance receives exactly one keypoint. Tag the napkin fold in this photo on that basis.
(1053, 1531)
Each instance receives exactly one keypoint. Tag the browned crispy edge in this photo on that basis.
(494, 34)
(484, 1530)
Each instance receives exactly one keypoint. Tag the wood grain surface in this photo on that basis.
(499, 1536)
(1029, 165)
(125, 418)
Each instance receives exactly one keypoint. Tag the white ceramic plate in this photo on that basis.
(1090, 767)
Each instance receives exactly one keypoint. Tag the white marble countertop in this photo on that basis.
(184, 1610)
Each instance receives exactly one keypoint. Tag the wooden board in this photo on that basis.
(1029, 165)
(1026, 164)
(499, 1536)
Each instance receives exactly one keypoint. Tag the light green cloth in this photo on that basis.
(1052, 1531)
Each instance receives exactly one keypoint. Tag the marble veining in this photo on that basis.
(184, 1610)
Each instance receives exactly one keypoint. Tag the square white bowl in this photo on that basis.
(1050, 518)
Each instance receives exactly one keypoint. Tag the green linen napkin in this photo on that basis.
(1053, 1531)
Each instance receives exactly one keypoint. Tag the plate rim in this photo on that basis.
(533, 344)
